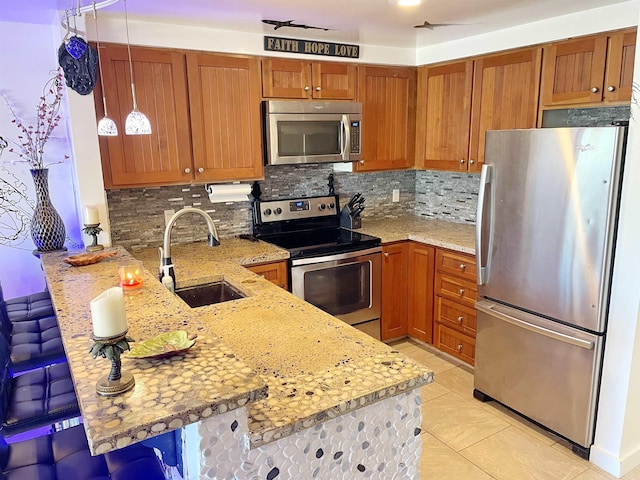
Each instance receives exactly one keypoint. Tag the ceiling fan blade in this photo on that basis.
(431, 26)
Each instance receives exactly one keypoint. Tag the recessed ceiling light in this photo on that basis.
(405, 3)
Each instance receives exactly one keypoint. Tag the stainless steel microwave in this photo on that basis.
(312, 132)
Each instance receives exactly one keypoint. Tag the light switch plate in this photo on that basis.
(396, 195)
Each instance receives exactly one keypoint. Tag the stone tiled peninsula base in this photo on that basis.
(381, 441)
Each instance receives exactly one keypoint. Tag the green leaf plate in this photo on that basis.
(164, 345)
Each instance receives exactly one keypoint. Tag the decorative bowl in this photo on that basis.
(163, 345)
(88, 258)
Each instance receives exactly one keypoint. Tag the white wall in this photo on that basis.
(29, 55)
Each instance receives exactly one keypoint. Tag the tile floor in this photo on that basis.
(464, 439)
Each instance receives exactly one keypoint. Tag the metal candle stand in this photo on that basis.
(93, 229)
(111, 348)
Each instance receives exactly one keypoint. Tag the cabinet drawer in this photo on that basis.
(456, 289)
(458, 264)
(456, 316)
(455, 343)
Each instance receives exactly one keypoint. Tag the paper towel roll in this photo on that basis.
(222, 193)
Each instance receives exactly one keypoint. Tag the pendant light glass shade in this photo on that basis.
(137, 122)
(106, 126)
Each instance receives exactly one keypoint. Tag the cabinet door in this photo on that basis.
(505, 96)
(421, 273)
(619, 73)
(395, 267)
(164, 157)
(286, 78)
(224, 96)
(333, 81)
(388, 117)
(573, 71)
(275, 272)
(444, 116)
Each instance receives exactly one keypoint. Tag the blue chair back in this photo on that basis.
(5, 324)
(6, 376)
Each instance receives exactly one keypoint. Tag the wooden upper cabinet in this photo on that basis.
(388, 97)
(444, 116)
(224, 96)
(505, 96)
(289, 78)
(589, 70)
(163, 157)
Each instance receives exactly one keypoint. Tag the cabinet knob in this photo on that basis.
(307, 88)
(460, 319)
(595, 90)
(472, 162)
(361, 162)
(459, 347)
(386, 254)
(462, 266)
(187, 170)
(462, 160)
(611, 88)
(318, 89)
(200, 170)
(461, 291)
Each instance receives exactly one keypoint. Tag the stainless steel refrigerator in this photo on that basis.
(545, 237)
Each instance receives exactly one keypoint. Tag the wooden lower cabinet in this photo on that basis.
(395, 268)
(275, 272)
(455, 343)
(420, 292)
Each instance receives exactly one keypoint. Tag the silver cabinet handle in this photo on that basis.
(462, 266)
(361, 162)
(472, 162)
(460, 319)
(459, 347)
(318, 89)
(386, 254)
(461, 291)
(200, 170)
(307, 88)
(595, 89)
(611, 88)
(462, 160)
(187, 170)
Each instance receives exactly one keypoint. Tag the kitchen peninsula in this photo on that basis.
(273, 385)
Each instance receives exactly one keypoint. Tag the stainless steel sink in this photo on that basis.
(208, 294)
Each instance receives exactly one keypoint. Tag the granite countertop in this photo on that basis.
(290, 364)
(440, 233)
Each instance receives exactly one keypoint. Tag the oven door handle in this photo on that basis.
(341, 256)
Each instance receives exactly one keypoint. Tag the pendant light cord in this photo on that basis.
(104, 100)
(126, 22)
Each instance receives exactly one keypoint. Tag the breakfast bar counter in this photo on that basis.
(272, 383)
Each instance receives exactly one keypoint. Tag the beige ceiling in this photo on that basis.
(360, 21)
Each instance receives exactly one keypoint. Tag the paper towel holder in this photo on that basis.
(226, 193)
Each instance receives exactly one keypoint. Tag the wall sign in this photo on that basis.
(311, 47)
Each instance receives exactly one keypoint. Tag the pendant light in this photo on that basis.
(405, 3)
(137, 122)
(106, 126)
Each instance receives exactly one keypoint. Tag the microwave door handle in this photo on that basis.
(346, 138)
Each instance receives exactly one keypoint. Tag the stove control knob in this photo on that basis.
(278, 211)
(332, 205)
(267, 212)
(322, 206)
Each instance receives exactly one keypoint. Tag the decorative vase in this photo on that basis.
(47, 229)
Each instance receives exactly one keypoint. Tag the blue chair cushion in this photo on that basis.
(29, 307)
(65, 456)
(36, 343)
(41, 397)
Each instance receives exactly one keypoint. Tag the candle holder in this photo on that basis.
(111, 348)
(93, 229)
(130, 274)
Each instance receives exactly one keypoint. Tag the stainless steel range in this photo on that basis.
(336, 269)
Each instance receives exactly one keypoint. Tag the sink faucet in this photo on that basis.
(167, 275)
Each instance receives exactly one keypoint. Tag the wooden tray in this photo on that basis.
(88, 258)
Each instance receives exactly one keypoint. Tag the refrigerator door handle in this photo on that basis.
(491, 308)
(481, 224)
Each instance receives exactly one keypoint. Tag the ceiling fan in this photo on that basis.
(289, 23)
(431, 26)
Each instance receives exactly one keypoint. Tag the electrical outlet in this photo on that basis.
(396, 195)
(167, 216)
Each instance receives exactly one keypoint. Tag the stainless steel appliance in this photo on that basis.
(336, 269)
(547, 214)
(312, 132)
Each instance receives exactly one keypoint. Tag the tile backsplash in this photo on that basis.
(446, 195)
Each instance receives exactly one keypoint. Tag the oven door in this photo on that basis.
(346, 285)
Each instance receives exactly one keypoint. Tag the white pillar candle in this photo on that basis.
(107, 313)
(91, 216)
